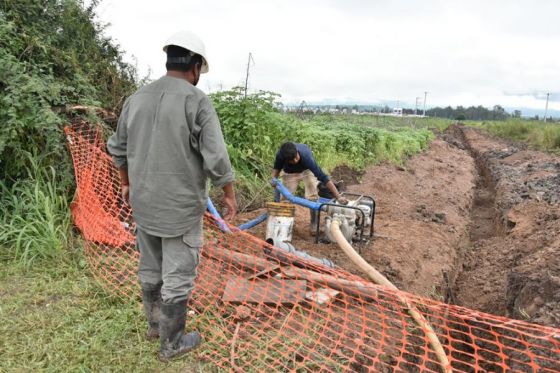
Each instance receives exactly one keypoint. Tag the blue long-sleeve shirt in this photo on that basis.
(306, 162)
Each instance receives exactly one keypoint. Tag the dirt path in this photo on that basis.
(473, 221)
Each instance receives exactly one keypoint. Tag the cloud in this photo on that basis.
(461, 52)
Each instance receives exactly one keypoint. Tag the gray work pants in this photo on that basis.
(170, 260)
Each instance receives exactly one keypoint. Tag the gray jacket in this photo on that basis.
(169, 137)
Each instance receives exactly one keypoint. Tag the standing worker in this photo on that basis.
(168, 142)
(298, 164)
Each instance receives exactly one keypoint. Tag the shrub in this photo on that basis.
(52, 54)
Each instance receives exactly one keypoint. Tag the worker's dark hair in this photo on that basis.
(288, 150)
(180, 59)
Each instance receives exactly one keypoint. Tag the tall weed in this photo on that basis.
(35, 218)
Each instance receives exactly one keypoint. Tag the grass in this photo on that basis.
(34, 216)
(56, 318)
(388, 122)
(539, 135)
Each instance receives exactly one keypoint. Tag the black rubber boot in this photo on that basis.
(313, 216)
(174, 343)
(151, 299)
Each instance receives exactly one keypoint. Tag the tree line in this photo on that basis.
(472, 113)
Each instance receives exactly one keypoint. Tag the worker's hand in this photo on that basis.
(125, 189)
(273, 183)
(230, 205)
(342, 200)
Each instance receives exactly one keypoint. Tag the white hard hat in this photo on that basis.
(191, 42)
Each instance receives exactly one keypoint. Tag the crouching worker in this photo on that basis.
(168, 142)
(298, 164)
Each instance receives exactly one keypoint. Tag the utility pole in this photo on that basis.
(425, 94)
(546, 107)
(247, 76)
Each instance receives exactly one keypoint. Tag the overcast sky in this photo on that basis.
(462, 52)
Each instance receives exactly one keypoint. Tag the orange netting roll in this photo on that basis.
(261, 309)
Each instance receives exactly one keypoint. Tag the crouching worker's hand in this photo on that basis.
(342, 200)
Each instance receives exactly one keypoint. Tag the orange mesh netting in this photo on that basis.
(259, 308)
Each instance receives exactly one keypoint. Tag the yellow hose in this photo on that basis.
(378, 278)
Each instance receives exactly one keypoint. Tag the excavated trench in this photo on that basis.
(484, 215)
(485, 223)
(510, 264)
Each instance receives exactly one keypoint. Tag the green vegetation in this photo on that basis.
(254, 129)
(34, 216)
(52, 55)
(540, 135)
(387, 122)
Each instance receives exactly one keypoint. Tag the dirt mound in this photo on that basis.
(346, 175)
(423, 210)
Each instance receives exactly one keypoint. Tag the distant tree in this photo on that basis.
(499, 113)
(517, 113)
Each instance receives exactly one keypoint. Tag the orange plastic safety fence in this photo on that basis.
(258, 307)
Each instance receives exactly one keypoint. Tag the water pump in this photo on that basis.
(356, 217)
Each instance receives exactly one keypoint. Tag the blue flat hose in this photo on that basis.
(296, 200)
(224, 227)
(250, 224)
(212, 209)
(280, 189)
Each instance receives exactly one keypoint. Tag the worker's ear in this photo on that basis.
(196, 72)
